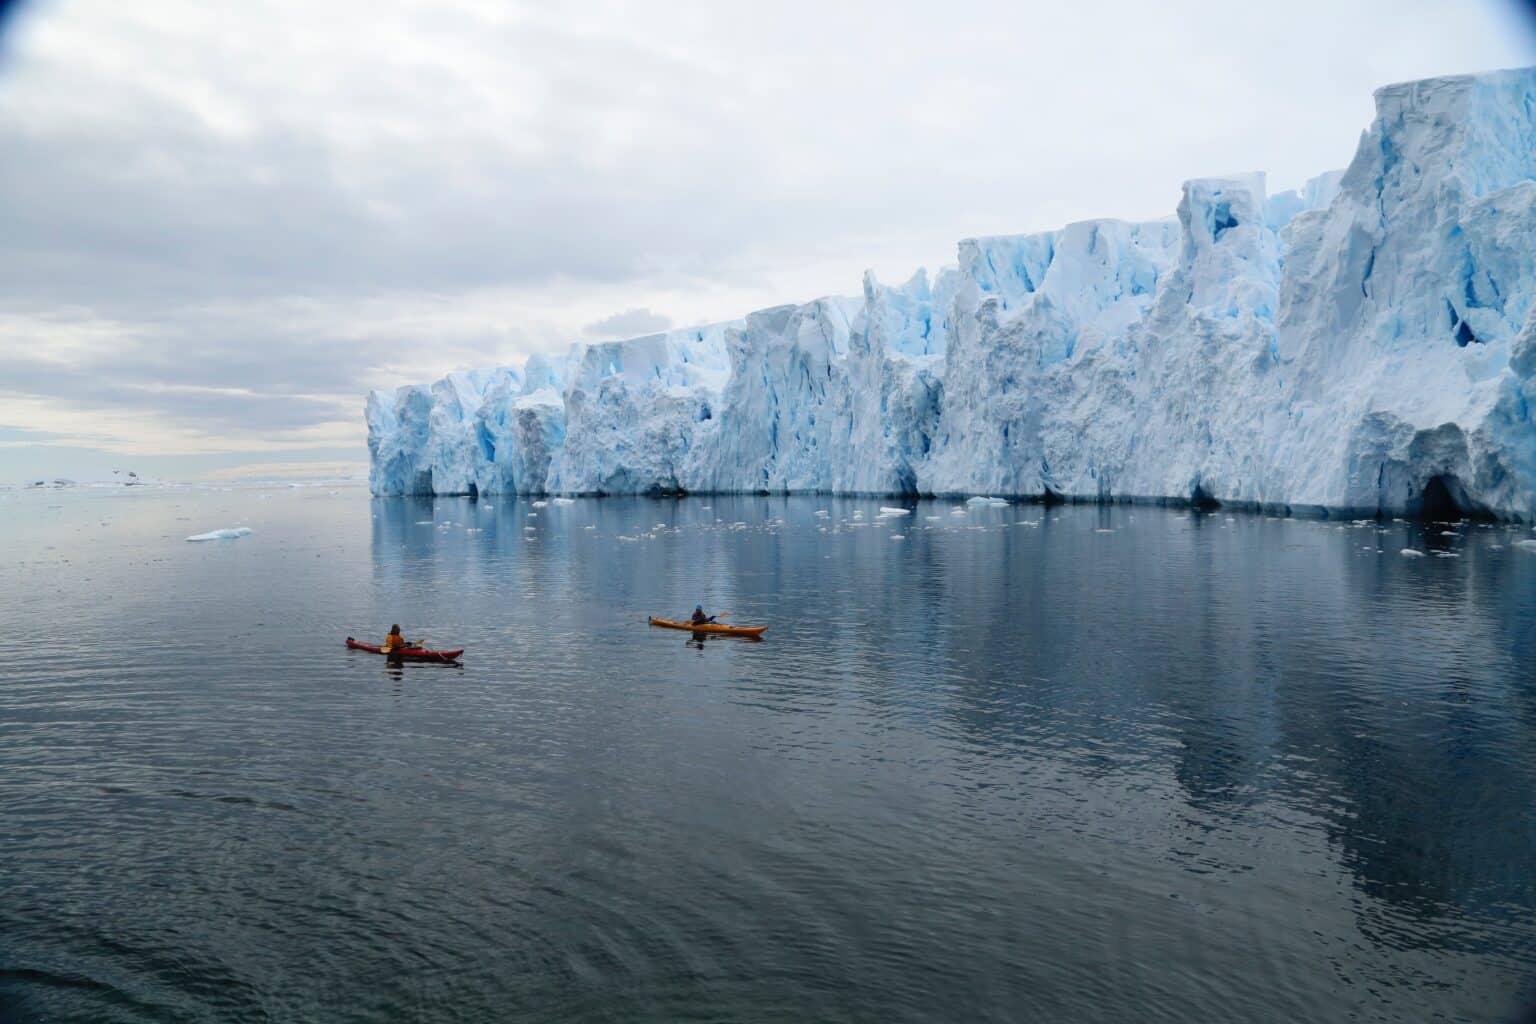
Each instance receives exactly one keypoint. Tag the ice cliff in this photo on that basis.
(1365, 344)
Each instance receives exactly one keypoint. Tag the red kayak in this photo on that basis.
(408, 653)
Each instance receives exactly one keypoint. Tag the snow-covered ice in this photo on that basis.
(1365, 343)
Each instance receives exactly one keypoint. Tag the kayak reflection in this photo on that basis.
(699, 639)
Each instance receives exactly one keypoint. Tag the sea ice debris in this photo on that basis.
(228, 534)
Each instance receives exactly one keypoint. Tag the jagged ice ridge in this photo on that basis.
(1366, 344)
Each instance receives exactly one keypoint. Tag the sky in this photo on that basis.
(222, 224)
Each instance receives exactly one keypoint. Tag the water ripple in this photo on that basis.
(1069, 764)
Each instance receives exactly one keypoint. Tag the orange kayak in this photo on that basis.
(712, 627)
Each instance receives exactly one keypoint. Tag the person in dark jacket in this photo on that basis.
(699, 618)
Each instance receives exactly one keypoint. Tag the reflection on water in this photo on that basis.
(1024, 763)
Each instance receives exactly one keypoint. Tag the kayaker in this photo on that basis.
(394, 641)
(699, 618)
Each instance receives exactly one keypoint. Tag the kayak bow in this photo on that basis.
(407, 653)
(711, 627)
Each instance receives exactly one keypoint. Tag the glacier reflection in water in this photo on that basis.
(1070, 764)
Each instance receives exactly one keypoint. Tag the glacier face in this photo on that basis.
(1366, 343)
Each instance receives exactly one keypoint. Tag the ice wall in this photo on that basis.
(1364, 343)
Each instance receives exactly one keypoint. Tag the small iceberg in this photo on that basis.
(230, 534)
(888, 513)
(1410, 553)
(567, 501)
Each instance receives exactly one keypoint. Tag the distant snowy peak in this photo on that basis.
(1362, 343)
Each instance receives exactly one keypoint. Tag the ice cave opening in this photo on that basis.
(1443, 497)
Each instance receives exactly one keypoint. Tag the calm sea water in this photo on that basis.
(1073, 764)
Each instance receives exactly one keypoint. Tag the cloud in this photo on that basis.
(632, 323)
(13, 436)
(321, 470)
(224, 223)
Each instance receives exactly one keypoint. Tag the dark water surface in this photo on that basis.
(1060, 765)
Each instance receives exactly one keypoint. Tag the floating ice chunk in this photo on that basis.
(1526, 545)
(889, 512)
(229, 534)
(822, 513)
(1410, 553)
(541, 504)
(564, 501)
(424, 522)
(897, 536)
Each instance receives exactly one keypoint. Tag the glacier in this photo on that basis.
(1365, 344)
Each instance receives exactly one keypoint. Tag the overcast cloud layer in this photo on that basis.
(221, 223)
